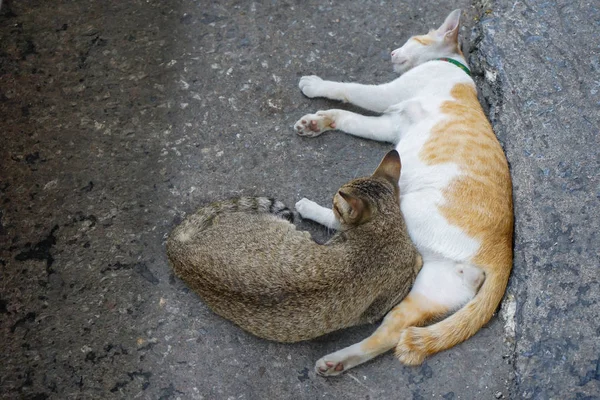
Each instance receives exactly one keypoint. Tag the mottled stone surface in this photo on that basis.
(545, 64)
(118, 117)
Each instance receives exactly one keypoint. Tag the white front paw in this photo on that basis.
(311, 86)
(333, 364)
(305, 207)
(312, 125)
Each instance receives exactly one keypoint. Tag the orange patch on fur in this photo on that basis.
(414, 310)
(479, 201)
(410, 350)
(425, 40)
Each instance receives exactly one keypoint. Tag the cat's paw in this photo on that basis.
(312, 125)
(329, 366)
(411, 348)
(311, 86)
(305, 206)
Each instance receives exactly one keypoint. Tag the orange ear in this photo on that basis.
(389, 168)
(357, 206)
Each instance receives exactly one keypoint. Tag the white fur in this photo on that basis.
(320, 214)
(421, 185)
(411, 107)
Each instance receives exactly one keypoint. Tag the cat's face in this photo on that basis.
(360, 199)
(441, 42)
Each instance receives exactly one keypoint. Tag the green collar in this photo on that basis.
(458, 64)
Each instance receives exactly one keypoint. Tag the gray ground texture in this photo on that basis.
(119, 117)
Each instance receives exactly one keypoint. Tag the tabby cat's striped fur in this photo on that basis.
(248, 262)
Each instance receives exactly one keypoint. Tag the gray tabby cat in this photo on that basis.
(248, 262)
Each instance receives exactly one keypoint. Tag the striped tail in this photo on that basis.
(203, 218)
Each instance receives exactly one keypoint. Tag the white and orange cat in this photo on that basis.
(456, 194)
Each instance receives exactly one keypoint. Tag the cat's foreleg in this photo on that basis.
(370, 97)
(384, 128)
(388, 127)
(308, 209)
(415, 309)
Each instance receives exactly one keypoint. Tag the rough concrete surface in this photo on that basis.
(544, 61)
(119, 117)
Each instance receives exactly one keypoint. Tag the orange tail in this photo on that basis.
(417, 343)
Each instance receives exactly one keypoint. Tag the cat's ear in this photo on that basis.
(389, 168)
(357, 206)
(449, 29)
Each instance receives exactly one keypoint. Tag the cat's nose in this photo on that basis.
(393, 53)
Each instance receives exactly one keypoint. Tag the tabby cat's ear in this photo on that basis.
(449, 29)
(389, 168)
(357, 206)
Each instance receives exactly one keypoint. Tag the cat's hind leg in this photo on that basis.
(416, 343)
(415, 309)
(441, 287)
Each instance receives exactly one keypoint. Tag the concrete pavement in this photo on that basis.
(118, 118)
